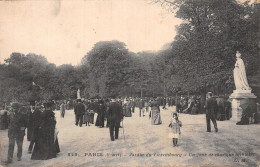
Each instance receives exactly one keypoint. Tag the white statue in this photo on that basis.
(240, 74)
(78, 94)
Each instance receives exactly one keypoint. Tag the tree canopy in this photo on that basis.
(201, 57)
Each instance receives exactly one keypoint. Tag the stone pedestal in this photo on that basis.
(236, 110)
(238, 97)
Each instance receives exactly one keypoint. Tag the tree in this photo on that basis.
(108, 64)
(204, 48)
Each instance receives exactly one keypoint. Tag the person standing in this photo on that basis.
(175, 125)
(46, 145)
(115, 115)
(79, 111)
(141, 107)
(92, 108)
(133, 101)
(155, 113)
(146, 105)
(17, 121)
(101, 112)
(33, 125)
(211, 110)
(62, 109)
(127, 109)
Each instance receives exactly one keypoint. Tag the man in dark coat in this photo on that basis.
(132, 104)
(115, 115)
(79, 111)
(33, 125)
(17, 120)
(211, 107)
(141, 107)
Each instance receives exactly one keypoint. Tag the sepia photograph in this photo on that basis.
(130, 83)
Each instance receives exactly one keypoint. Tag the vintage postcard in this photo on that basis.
(129, 83)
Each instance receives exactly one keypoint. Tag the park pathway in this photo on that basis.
(144, 144)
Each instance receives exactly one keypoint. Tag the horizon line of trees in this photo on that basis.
(201, 58)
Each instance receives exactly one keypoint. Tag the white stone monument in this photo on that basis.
(242, 92)
(78, 94)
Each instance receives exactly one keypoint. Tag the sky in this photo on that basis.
(64, 30)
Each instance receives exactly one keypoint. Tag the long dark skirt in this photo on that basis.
(100, 120)
(45, 150)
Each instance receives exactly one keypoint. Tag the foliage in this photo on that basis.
(201, 58)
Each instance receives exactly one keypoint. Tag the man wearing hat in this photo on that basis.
(115, 115)
(33, 124)
(16, 131)
(79, 111)
(211, 107)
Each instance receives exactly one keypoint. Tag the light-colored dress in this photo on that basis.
(175, 128)
(127, 109)
(155, 113)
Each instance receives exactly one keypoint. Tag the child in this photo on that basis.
(175, 129)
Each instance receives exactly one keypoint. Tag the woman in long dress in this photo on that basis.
(46, 145)
(155, 113)
(89, 113)
(101, 112)
(127, 109)
(62, 110)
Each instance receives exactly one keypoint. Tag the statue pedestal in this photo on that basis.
(238, 97)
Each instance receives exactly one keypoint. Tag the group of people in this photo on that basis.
(84, 113)
(211, 107)
(39, 119)
(113, 111)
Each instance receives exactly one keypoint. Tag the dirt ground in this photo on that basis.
(143, 144)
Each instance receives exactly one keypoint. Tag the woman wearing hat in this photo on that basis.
(46, 145)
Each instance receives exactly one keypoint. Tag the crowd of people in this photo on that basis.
(40, 121)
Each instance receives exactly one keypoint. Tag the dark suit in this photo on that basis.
(16, 131)
(115, 114)
(79, 110)
(33, 127)
(211, 110)
(141, 106)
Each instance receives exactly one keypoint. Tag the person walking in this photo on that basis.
(133, 102)
(115, 115)
(141, 107)
(46, 145)
(79, 111)
(17, 121)
(155, 113)
(127, 109)
(33, 125)
(101, 112)
(62, 109)
(211, 110)
(146, 105)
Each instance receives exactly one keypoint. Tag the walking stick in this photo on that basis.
(123, 129)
